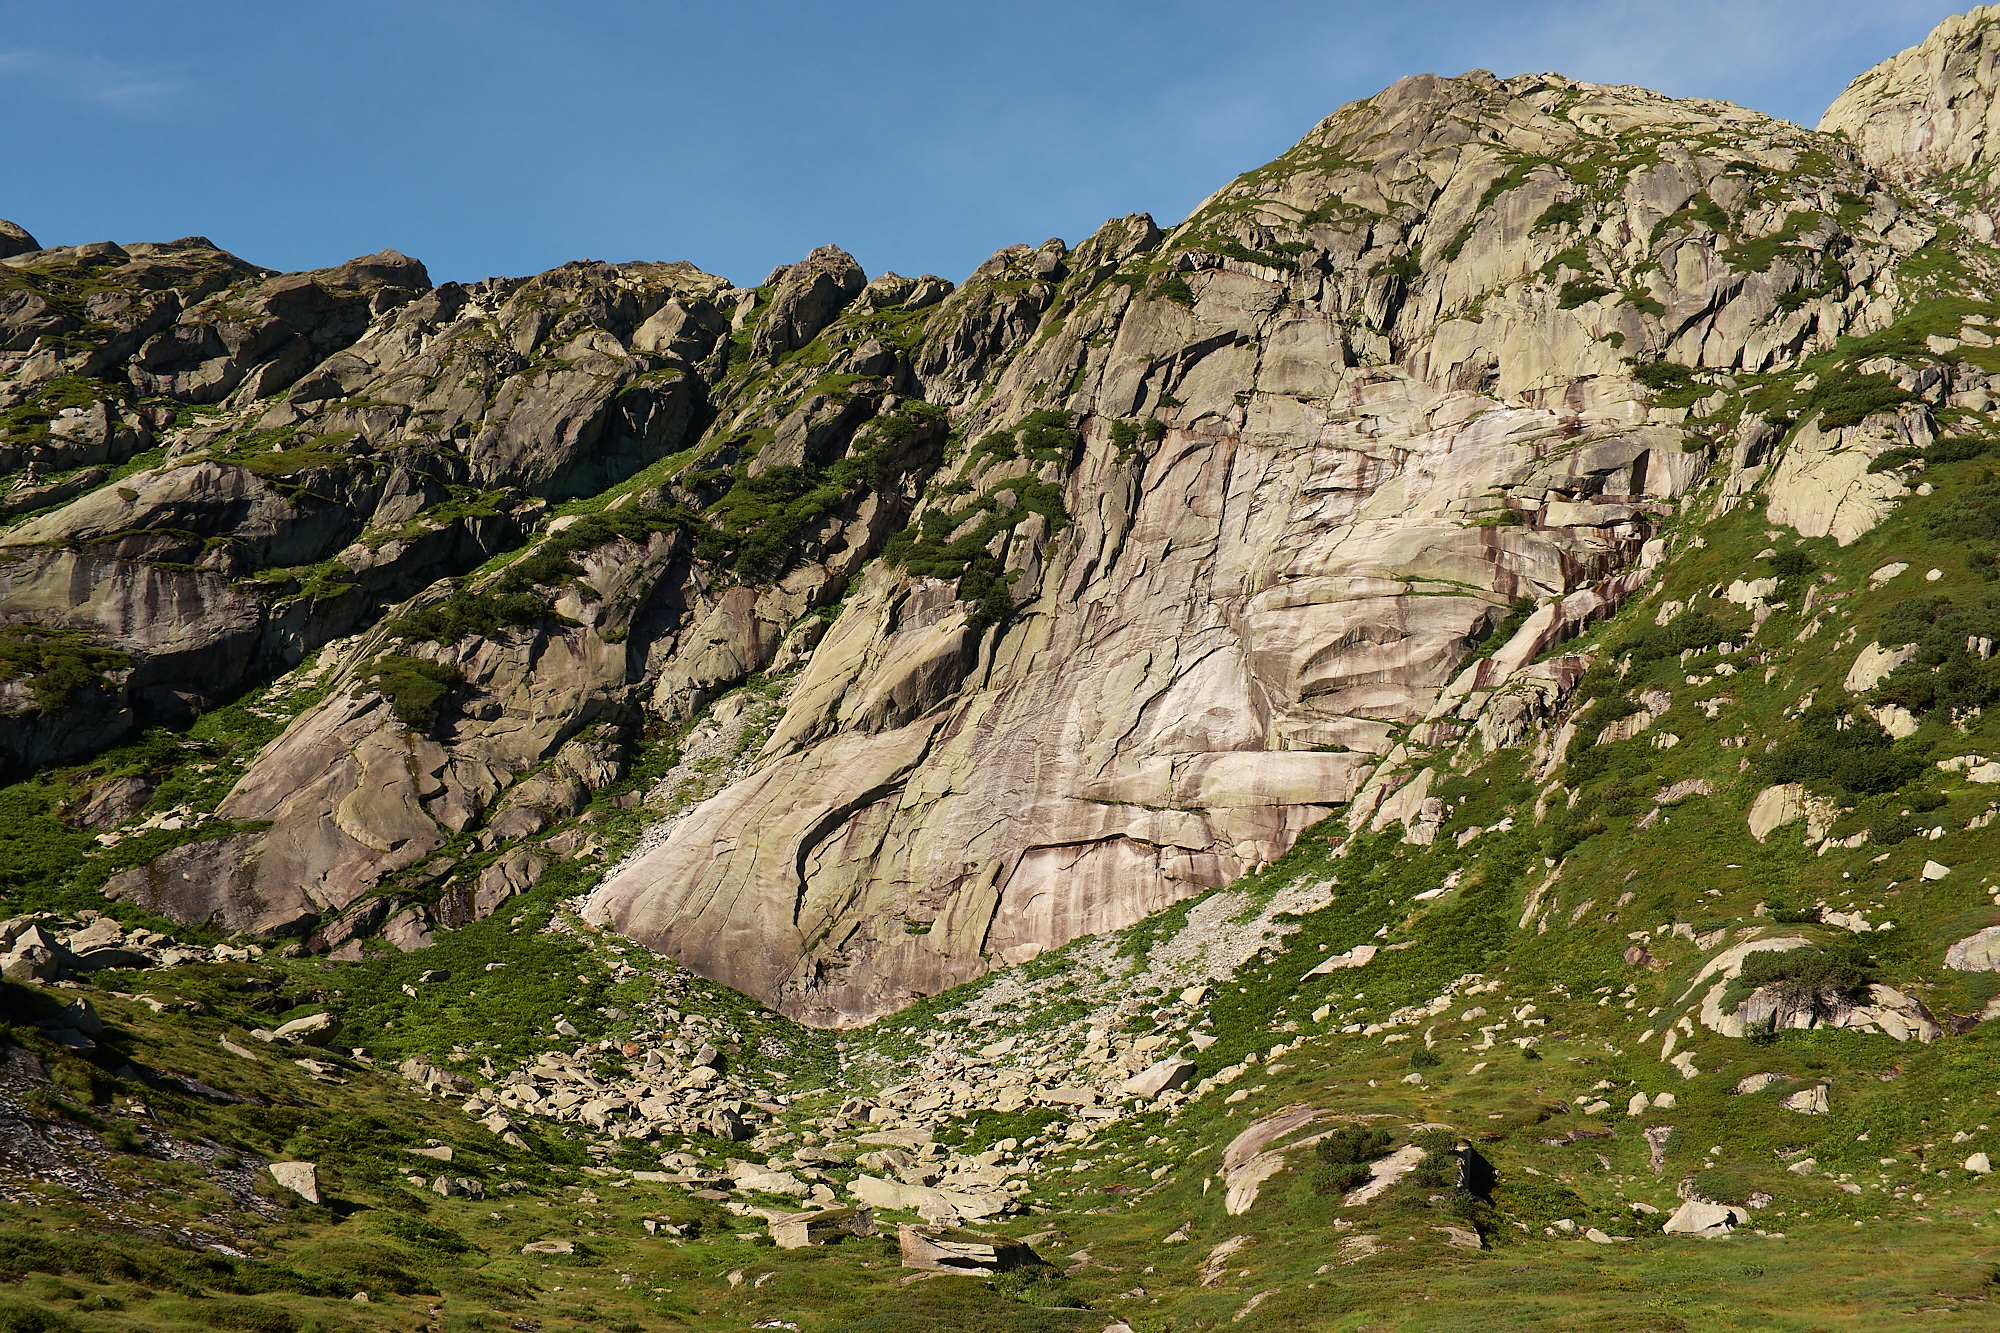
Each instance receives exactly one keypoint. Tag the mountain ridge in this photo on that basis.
(1399, 751)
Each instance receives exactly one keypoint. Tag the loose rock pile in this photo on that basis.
(43, 946)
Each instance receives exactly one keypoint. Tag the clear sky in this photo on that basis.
(506, 137)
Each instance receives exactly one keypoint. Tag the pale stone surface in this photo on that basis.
(1822, 486)
(1975, 953)
(1780, 805)
(1172, 1072)
(1698, 1217)
(1358, 475)
(1930, 109)
(1874, 662)
(301, 1178)
(1807, 1101)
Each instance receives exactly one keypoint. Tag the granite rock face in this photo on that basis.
(1930, 112)
(1082, 587)
(1380, 415)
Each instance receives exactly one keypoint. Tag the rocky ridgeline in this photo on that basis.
(1467, 346)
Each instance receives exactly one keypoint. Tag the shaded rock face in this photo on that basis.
(1930, 111)
(1352, 479)
(15, 240)
(357, 412)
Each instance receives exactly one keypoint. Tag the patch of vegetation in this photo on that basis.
(1840, 748)
(756, 523)
(1581, 291)
(1844, 398)
(1945, 673)
(58, 663)
(928, 549)
(415, 688)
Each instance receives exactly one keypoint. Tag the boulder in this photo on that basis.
(1359, 956)
(1698, 1217)
(549, 1247)
(773, 1182)
(1808, 1101)
(312, 1030)
(301, 1178)
(823, 1227)
(1975, 953)
(1780, 805)
(1873, 663)
(1165, 1076)
(15, 240)
(957, 1250)
(1978, 1164)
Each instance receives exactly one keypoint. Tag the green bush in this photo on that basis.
(1562, 213)
(1891, 827)
(1891, 459)
(1351, 1144)
(1944, 674)
(1953, 449)
(415, 688)
(1844, 398)
(1581, 291)
(1838, 747)
(1439, 1168)
(1816, 979)
(757, 522)
(927, 549)
(1663, 376)
(1332, 1180)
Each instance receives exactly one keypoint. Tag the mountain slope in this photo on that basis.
(1402, 752)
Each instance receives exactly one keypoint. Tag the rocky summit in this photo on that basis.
(1410, 749)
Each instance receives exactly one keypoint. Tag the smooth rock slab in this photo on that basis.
(1808, 1101)
(821, 1227)
(1165, 1076)
(301, 1178)
(1975, 953)
(312, 1030)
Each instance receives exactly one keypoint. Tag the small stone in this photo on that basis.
(1979, 1164)
(1932, 870)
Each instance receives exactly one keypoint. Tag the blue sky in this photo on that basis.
(506, 138)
